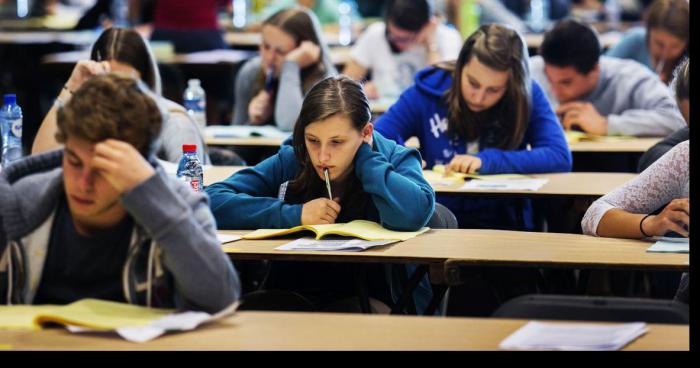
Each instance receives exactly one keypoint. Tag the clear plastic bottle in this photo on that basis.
(196, 103)
(120, 13)
(190, 169)
(241, 9)
(539, 15)
(345, 23)
(612, 13)
(11, 128)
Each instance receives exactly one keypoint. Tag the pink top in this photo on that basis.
(187, 14)
(665, 180)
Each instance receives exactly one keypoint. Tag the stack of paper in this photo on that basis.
(508, 184)
(244, 131)
(573, 336)
(670, 245)
(573, 136)
(363, 229)
(226, 238)
(348, 245)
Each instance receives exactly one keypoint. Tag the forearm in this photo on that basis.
(618, 223)
(289, 96)
(45, 139)
(186, 233)
(645, 123)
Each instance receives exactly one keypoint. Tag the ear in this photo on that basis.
(367, 130)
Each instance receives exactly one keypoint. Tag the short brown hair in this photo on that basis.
(112, 106)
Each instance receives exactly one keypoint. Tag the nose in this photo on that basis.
(324, 154)
(479, 96)
(86, 182)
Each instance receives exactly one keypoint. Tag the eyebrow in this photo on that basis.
(474, 80)
(309, 135)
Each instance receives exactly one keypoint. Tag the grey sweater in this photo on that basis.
(179, 129)
(174, 239)
(289, 97)
(633, 98)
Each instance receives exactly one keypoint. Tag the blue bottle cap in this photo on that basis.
(10, 99)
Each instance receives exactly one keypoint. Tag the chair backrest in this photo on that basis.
(593, 308)
(276, 300)
(442, 218)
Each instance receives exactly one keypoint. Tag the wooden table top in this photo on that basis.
(482, 247)
(576, 184)
(249, 330)
(636, 145)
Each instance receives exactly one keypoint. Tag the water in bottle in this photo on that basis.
(196, 103)
(11, 128)
(189, 169)
(240, 13)
(345, 23)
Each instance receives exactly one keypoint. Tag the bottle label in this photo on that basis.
(195, 104)
(195, 184)
(16, 128)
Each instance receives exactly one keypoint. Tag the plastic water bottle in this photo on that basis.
(11, 128)
(120, 13)
(539, 15)
(612, 13)
(22, 8)
(345, 23)
(189, 169)
(240, 13)
(196, 103)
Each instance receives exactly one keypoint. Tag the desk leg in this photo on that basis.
(361, 287)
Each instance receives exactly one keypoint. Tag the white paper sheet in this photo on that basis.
(677, 245)
(346, 245)
(244, 131)
(508, 184)
(185, 321)
(225, 238)
(570, 336)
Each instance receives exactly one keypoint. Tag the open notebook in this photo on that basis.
(573, 136)
(362, 229)
(88, 313)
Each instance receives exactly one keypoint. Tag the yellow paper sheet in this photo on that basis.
(89, 313)
(573, 136)
(362, 229)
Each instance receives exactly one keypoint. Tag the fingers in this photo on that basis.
(463, 164)
(680, 205)
(569, 106)
(332, 208)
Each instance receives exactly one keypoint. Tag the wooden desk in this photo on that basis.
(214, 57)
(216, 174)
(607, 39)
(637, 145)
(249, 141)
(326, 331)
(78, 38)
(483, 247)
(575, 185)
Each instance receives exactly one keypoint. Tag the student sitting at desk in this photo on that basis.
(601, 95)
(479, 115)
(101, 219)
(293, 57)
(124, 50)
(409, 39)
(371, 178)
(681, 85)
(627, 212)
(661, 45)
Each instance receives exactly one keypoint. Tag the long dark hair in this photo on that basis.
(500, 48)
(128, 47)
(299, 24)
(331, 96)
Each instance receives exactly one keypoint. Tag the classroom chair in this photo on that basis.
(588, 308)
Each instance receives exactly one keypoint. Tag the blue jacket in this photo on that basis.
(401, 199)
(421, 111)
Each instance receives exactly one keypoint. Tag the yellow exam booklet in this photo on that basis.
(362, 229)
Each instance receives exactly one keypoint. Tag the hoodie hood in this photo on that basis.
(434, 81)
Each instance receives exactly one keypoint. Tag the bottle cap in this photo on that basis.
(10, 99)
(193, 83)
(189, 148)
